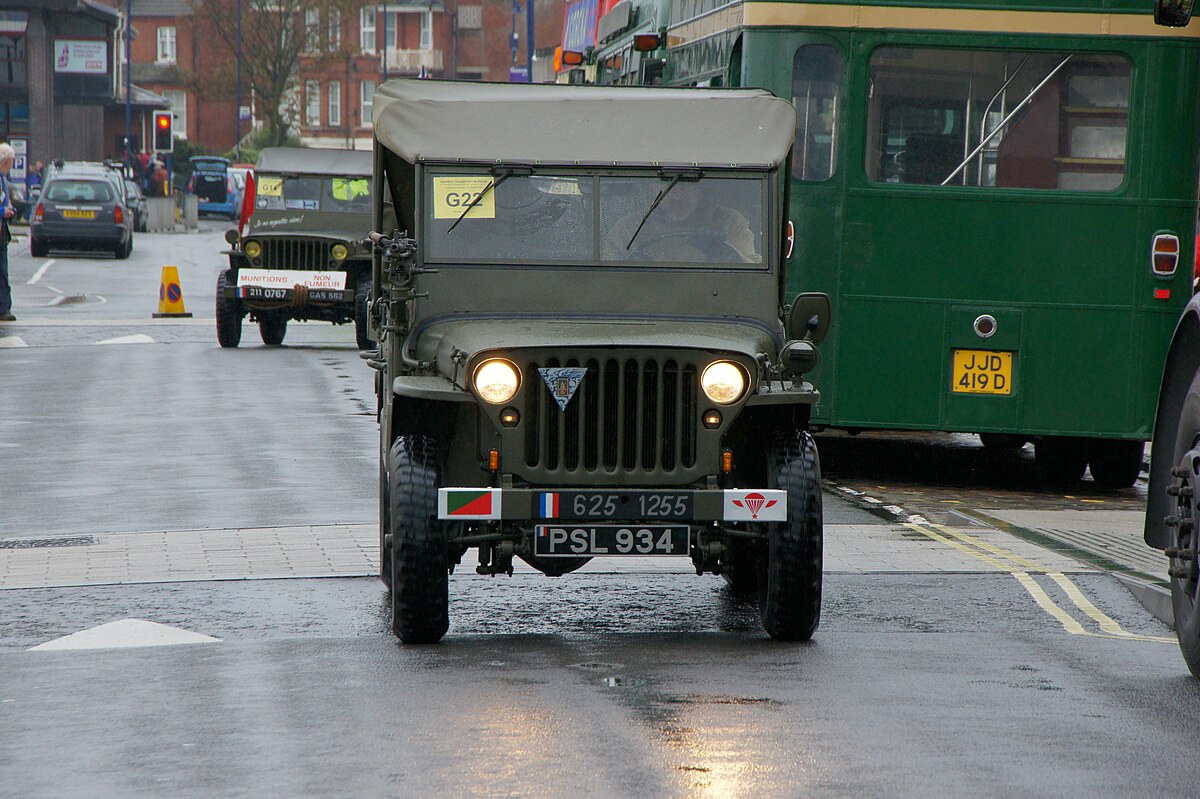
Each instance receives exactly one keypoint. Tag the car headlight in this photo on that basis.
(339, 252)
(253, 249)
(497, 381)
(723, 382)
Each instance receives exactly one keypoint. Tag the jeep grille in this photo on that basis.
(303, 254)
(630, 415)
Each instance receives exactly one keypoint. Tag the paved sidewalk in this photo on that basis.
(187, 555)
(352, 550)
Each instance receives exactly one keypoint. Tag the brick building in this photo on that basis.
(350, 55)
(169, 47)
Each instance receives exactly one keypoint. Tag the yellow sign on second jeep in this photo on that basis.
(451, 196)
(270, 187)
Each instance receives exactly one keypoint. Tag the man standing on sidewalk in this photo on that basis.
(7, 156)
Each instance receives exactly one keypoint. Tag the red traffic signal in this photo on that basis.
(164, 137)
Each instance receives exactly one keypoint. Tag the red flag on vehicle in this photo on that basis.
(247, 203)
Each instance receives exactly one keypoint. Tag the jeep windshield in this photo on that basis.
(523, 216)
(326, 194)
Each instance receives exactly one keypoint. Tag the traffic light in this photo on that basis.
(164, 138)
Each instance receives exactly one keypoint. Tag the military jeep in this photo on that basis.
(301, 255)
(585, 350)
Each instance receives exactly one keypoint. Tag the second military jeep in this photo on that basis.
(584, 344)
(301, 255)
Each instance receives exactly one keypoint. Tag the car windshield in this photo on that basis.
(668, 218)
(328, 194)
(79, 191)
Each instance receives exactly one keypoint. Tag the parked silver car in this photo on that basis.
(81, 212)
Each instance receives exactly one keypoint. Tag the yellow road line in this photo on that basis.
(1020, 569)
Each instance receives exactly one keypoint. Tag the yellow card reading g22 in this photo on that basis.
(451, 196)
(269, 187)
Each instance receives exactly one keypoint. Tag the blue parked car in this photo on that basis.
(214, 185)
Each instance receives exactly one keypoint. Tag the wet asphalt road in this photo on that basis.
(614, 685)
(620, 684)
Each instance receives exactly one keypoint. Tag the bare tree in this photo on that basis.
(275, 35)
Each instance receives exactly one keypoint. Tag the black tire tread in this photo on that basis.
(1116, 463)
(272, 327)
(790, 575)
(361, 295)
(229, 316)
(420, 578)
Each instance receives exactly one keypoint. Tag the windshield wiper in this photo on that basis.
(690, 176)
(496, 181)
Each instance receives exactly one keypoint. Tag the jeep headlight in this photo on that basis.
(497, 381)
(339, 252)
(723, 382)
(253, 249)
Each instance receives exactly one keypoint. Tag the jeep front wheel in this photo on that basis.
(229, 315)
(361, 295)
(420, 592)
(272, 327)
(789, 577)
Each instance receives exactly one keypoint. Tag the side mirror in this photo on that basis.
(809, 317)
(231, 236)
(1173, 13)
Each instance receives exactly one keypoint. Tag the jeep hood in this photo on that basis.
(437, 339)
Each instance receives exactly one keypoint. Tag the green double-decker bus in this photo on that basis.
(993, 194)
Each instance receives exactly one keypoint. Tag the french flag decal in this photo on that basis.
(548, 506)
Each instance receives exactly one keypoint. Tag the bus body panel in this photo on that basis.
(1066, 275)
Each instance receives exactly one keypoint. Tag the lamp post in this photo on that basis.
(128, 81)
(237, 145)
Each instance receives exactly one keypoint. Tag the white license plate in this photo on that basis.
(590, 540)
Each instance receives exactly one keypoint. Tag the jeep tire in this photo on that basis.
(789, 568)
(361, 295)
(272, 327)
(229, 314)
(420, 592)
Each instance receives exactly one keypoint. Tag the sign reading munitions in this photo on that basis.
(81, 56)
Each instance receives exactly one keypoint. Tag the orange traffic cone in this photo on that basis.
(170, 294)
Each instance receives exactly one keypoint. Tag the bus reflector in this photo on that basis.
(1162, 294)
(645, 42)
(1165, 256)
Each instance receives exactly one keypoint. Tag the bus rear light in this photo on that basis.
(571, 58)
(645, 42)
(1165, 256)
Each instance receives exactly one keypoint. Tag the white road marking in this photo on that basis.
(124, 634)
(41, 271)
(12, 341)
(137, 338)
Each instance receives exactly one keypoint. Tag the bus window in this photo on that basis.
(817, 73)
(997, 118)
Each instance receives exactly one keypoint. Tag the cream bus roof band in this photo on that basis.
(824, 15)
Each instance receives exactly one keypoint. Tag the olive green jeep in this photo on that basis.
(301, 255)
(585, 347)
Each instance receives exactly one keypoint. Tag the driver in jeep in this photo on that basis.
(683, 223)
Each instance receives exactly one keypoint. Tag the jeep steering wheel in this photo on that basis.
(714, 251)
